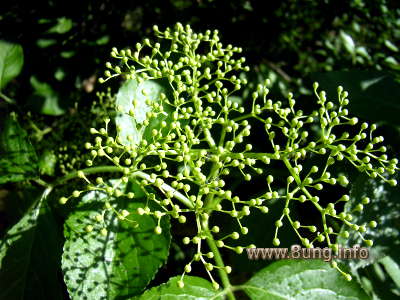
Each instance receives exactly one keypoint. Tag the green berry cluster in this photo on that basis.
(202, 140)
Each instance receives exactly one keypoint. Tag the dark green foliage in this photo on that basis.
(52, 54)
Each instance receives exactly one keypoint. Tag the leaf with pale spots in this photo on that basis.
(118, 264)
(132, 97)
(384, 209)
(195, 288)
(302, 280)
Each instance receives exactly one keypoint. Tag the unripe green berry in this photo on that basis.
(362, 229)
(239, 250)
(63, 200)
(219, 244)
(276, 242)
(235, 235)
(215, 229)
(188, 268)
(348, 277)
(157, 230)
(373, 224)
(180, 284)
(365, 200)
(343, 180)
(369, 243)
(125, 213)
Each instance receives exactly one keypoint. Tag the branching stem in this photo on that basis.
(114, 169)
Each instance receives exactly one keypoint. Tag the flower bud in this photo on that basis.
(63, 200)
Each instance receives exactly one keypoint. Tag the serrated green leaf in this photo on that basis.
(11, 61)
(18, 160)
(45, 100)
(195, 288)
(133, 126)
(302, 280)
(30, 256)
(120, 264)
(384, 208)
(347, 41)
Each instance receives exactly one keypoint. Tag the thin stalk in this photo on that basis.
(179, 196)
(87, 171)
(114, 169)
(219, 262)
(6, 98)
(299, 183)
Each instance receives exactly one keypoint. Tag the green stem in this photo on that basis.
(211, 201)
(182, 198)
(244, 117)
(299, 183)
(87, 171)
(41, 182)
(196, 152)
(308, 194)
(219, 262)
(6, 98)
(113, 169)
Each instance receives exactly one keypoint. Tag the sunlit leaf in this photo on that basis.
(384, 208)
(195, 288)
(302, 280)
(11, 61)
(30, 256)
(45, 99)
(118, 264)
(18, 160)
(63, 25)
(367, 98)
(131, 103)
(347, 42)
